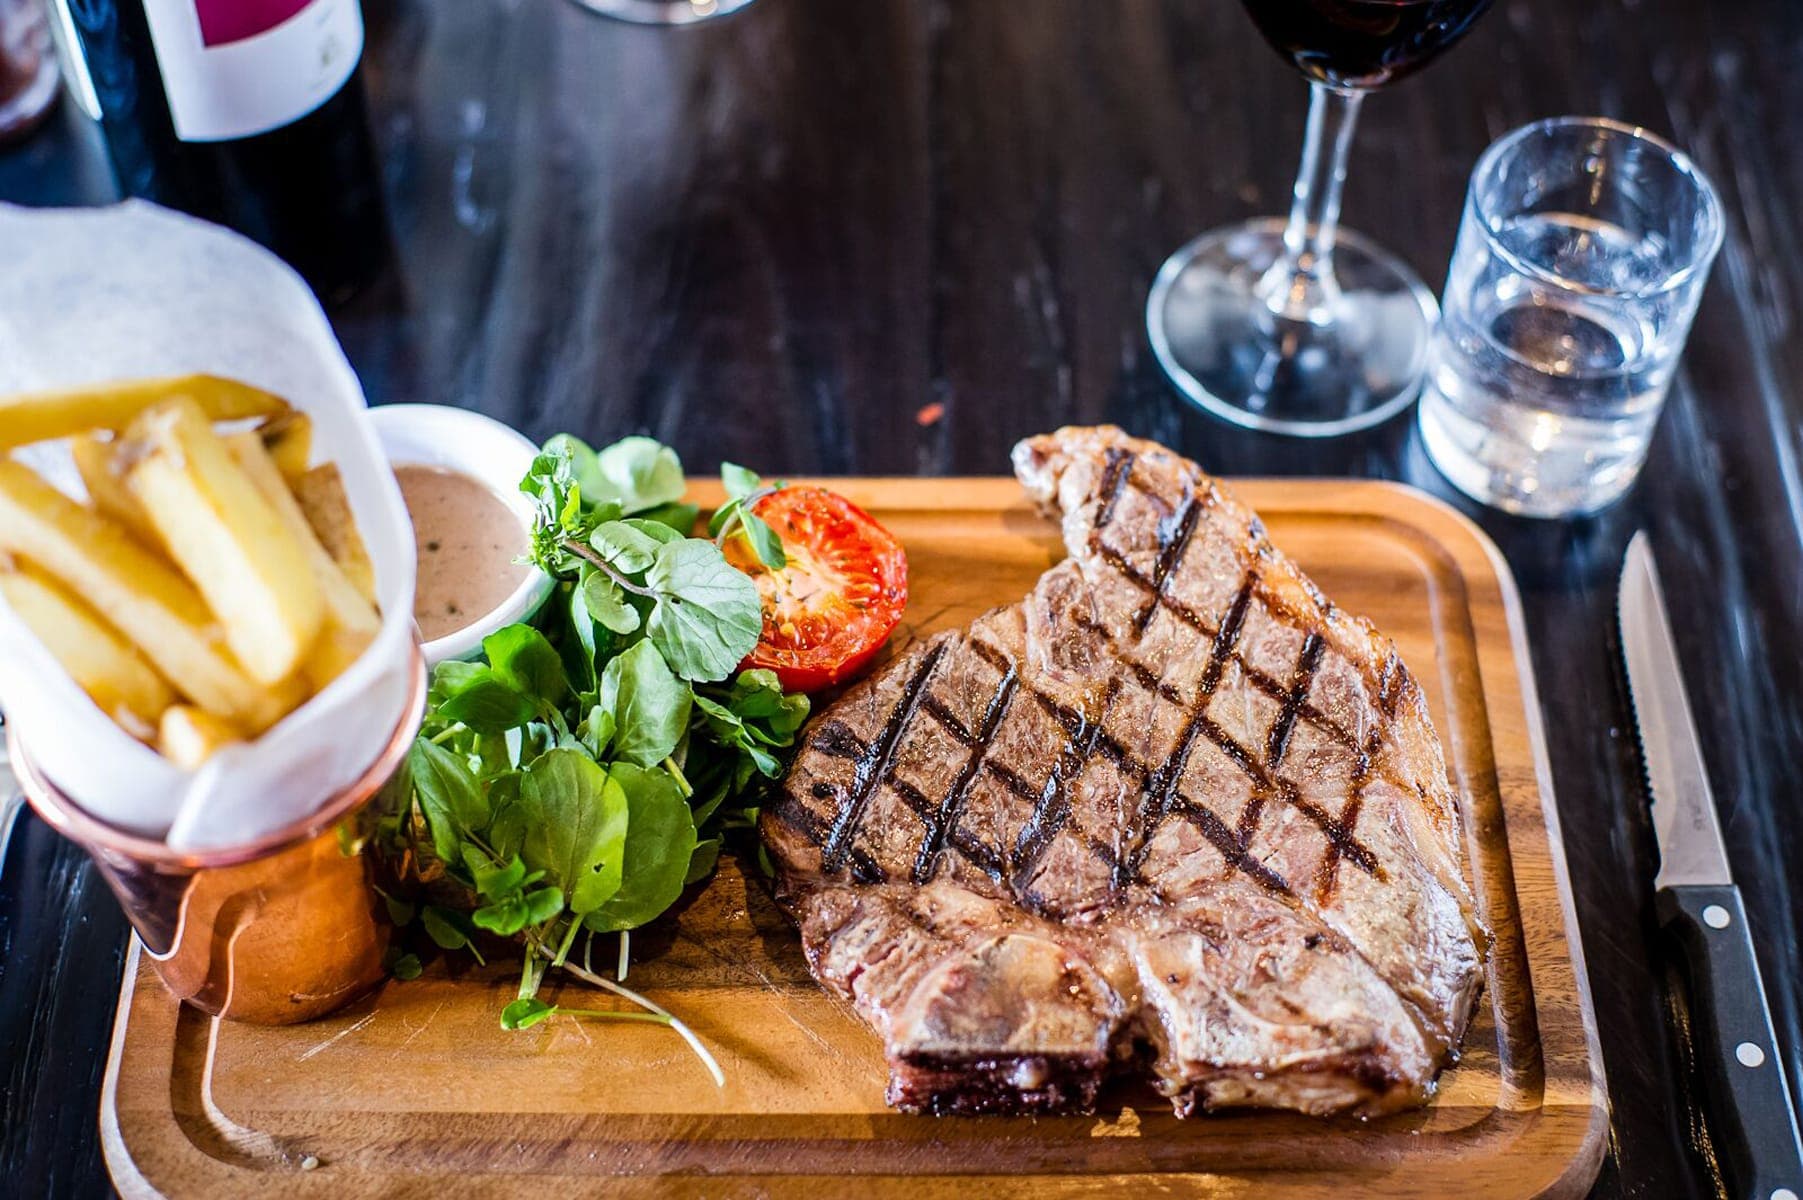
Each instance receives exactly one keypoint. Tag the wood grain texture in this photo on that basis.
(778, 238)
(417, 1089)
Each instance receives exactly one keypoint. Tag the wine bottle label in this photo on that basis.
(235, 68)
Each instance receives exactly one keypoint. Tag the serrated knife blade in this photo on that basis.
(1701, 911)
(1684, 817)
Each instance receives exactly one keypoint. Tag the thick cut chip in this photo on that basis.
(40, 416)
(226, 537)
(188, 736)
(321, 495)
(351, 622)
(139, 594)
(289, 439)
(102, 663)
(106, 487)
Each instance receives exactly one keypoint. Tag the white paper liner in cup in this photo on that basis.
(134, 290)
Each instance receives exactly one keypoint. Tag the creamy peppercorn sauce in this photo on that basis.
(467, 540)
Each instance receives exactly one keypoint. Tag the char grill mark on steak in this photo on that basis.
(1301, 608)
(1054, 803)
(1085, 737)
(1292, 704)
(928, 812)
(1233, 845)
(952, 808)
(834, 738)
(1343, 844)
(1162, 788)
(1387, 694)
(1287, 694)
(863, 868)
(1115, 474)
(1176, 667)
(873, 764)
(1169, 555)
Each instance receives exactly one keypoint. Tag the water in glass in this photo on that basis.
(1562, 322)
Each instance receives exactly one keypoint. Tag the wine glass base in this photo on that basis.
(1354, 365)
(663, 12)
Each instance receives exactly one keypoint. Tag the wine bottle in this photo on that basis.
(245, 112)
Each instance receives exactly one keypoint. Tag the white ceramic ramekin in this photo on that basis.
(437, 435)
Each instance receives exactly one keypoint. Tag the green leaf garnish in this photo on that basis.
(636, 473)
(576, 827)
(702, 861)
(630, 546)
(680, 517)
(764, 542)
(449, 797)
(525, 1012)
(660, 840)
(576, 780)
(739, 481)
(482, 698)
(708, 615)
(606, 602)
(649, 706)
(520, 655)
(444, 926)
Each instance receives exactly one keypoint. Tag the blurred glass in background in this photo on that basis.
(663, 12)
(28, 74)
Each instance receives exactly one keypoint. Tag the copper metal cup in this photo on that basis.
(282, 929)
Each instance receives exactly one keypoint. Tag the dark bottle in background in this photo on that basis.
(245, 112)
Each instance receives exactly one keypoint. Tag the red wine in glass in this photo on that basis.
(1362, 43)
(1295, 326)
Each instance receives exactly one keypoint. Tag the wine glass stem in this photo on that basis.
(1300, 286)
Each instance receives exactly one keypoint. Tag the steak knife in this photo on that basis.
(1700, 908)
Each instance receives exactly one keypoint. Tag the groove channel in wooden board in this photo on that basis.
(417, 1089)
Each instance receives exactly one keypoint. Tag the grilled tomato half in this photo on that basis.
(831, 608)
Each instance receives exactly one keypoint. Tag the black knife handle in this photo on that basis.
(1736, 1051)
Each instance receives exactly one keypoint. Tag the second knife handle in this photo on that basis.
(1736, 1050)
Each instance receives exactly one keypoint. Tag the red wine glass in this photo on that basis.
(1297, 326)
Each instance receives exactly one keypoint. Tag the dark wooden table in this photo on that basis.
(781, 238)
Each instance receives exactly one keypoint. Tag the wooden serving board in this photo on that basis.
(416, 1090)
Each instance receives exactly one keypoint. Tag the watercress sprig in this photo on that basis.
(575, 780)
(744, 489)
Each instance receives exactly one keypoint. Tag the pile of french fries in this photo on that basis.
(212, 582)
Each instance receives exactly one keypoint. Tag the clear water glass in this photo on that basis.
(664, 12)
(1581, 256)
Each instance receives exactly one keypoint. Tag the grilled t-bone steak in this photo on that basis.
(1171, 801)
